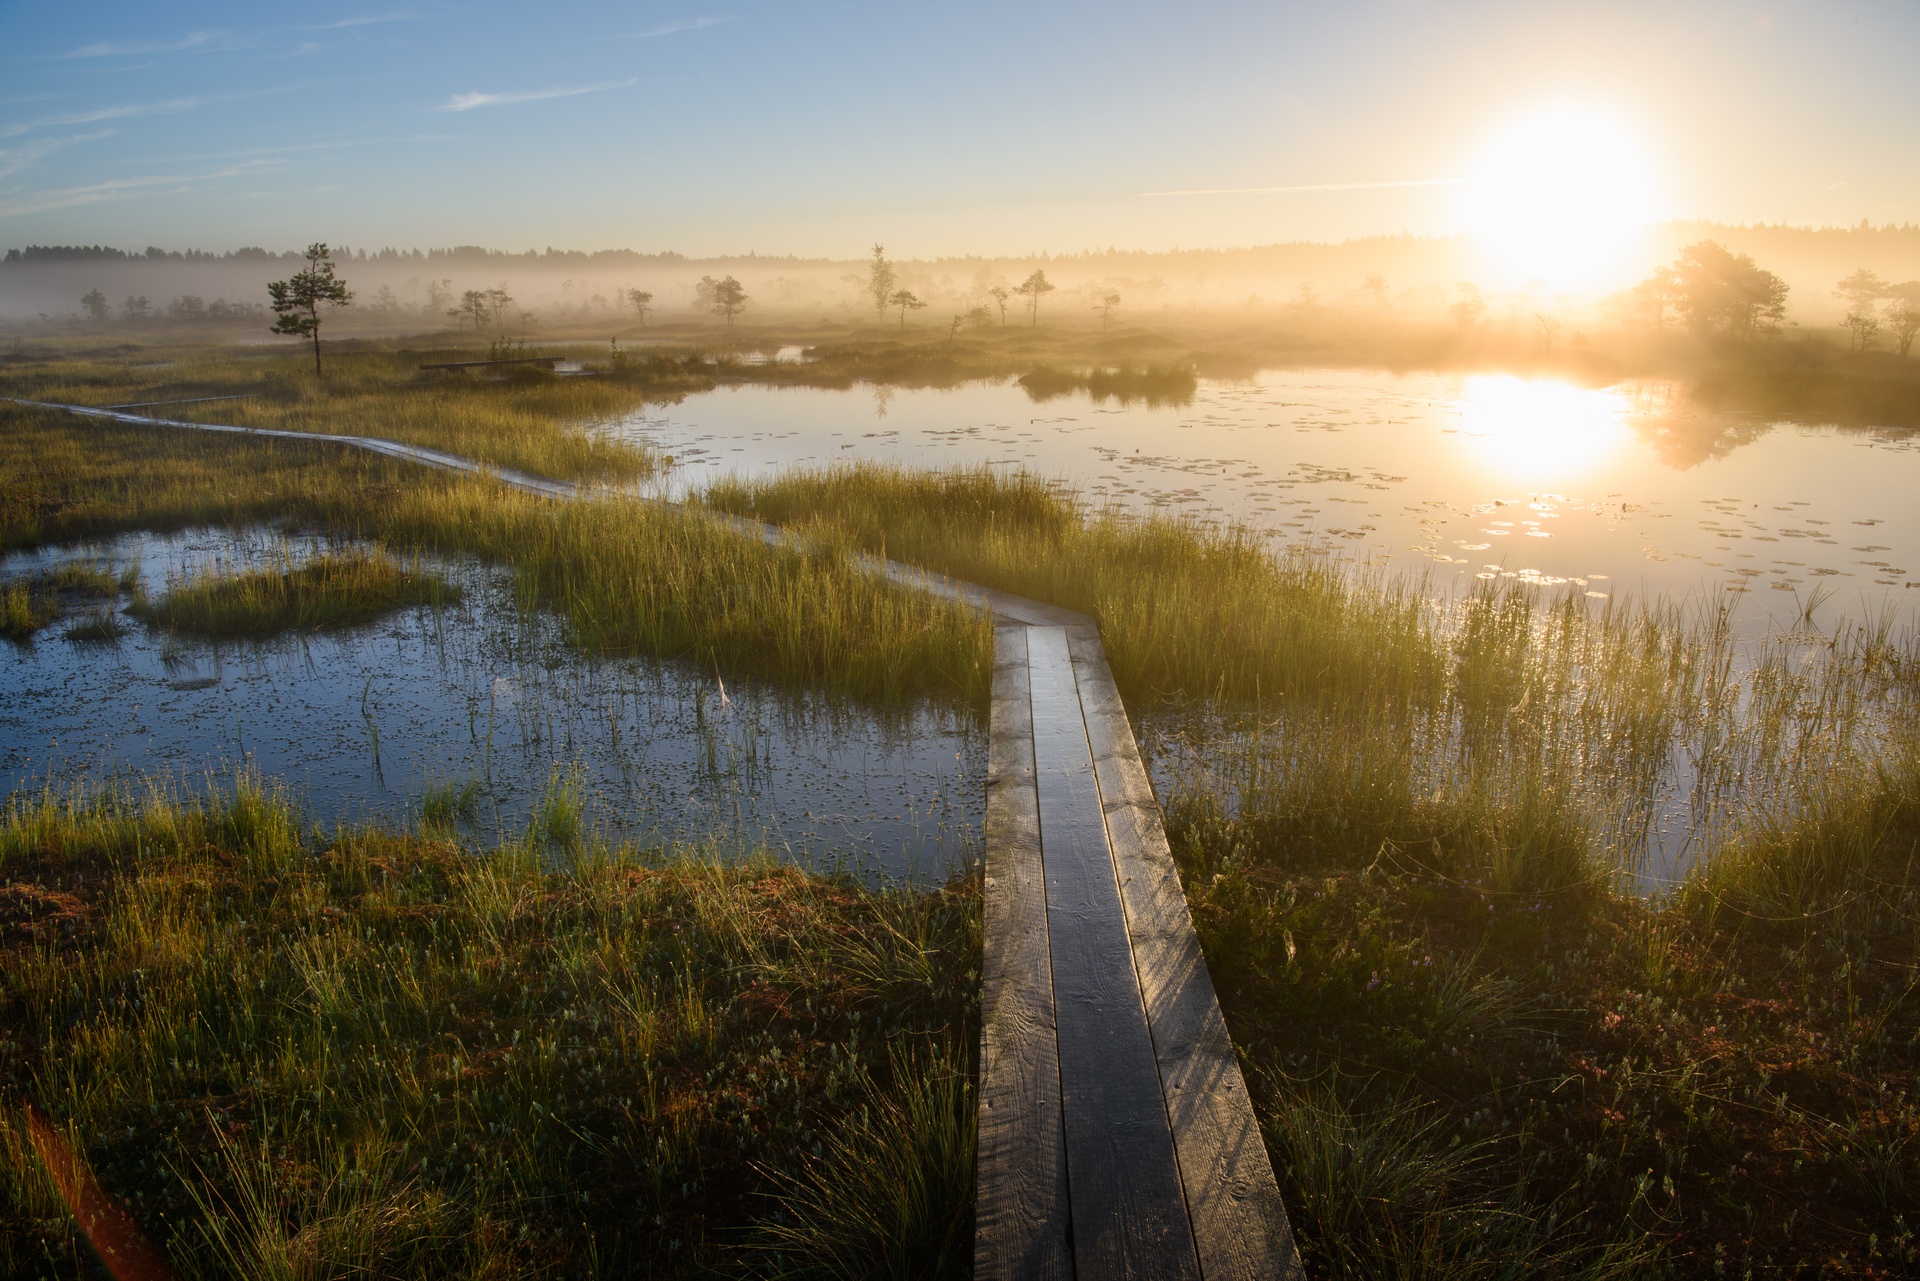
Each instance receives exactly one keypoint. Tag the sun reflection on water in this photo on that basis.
(1540, 429)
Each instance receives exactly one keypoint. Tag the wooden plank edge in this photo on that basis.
(1240, 1221)
(1021, 1206)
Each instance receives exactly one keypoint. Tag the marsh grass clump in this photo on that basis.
(1152, 385)
(295, 1052)
(341, 589)
(30, 604)
(891, 1193)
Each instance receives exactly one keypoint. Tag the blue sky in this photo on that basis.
(712, 126)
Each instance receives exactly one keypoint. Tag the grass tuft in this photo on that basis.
(344, 589)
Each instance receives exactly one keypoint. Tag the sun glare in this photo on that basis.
(1558, 197)
(1541, 430)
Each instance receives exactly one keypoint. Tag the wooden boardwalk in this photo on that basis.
(1116, 1136)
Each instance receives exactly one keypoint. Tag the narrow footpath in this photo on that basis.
(1116, 1135)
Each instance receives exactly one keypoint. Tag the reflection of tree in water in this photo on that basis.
(882, 397)
(1684, 440)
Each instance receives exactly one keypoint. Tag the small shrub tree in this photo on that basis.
(1903, 316)
(297, 301)
(473, 307)
(880, 281)
(906, 300)
(1470, 309)
(1861, 292)
(96, 304)
(1000, 294)
(642, 302)
(725, 297)
(1106, 307)
(1031, 288)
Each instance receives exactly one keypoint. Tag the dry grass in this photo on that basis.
(296, 1053)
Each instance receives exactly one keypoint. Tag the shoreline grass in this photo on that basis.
(345, 589)
(1408, 830)
(536, 424)
(31, 604)
(1411, 834)
(629, 576)
(289, 1051)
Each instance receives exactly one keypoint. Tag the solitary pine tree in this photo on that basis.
(297, 302)
(96, 304)
(906, 300)
(1031, 288)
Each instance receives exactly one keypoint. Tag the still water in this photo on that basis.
(1625, 490)
(359, 723)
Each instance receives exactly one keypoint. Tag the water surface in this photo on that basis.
(1626, 489)
(360, 723)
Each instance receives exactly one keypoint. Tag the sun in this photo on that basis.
(1559, 196)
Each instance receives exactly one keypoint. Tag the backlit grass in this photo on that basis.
(629, 576)
(533, 423)
(337, 590)
(1183, 610)
(1413, 833)
(32, 602)
(291, 1052)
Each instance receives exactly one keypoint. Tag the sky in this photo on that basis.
(793, 127)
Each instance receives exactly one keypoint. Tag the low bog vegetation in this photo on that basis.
(291, 1052)
(629, 576)
(335, 590)
(1425, 843)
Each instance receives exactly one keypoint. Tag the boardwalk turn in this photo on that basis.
(1116, 1136)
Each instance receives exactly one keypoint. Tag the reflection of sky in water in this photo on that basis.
(1617, 490)
(358, 724)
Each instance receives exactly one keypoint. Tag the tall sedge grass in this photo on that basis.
(1183, 610)
(628, 575)
(333, 590)
(295, 1052)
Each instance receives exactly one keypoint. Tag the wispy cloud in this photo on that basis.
(1311, 186)
(12, 206)
(198, 42)
(94, 115)
(14, 159)
(469, 101)
(296, 148)
(690, 24)
(367, 20)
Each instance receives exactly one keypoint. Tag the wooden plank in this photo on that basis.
(1239, 1222)
(1020, 1198)
(1129, 1212)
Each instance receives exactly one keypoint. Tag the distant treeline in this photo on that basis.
(459, 253)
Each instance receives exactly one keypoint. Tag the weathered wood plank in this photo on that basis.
(1239, 1222)
(1129, 1211)
(1020, 1198)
